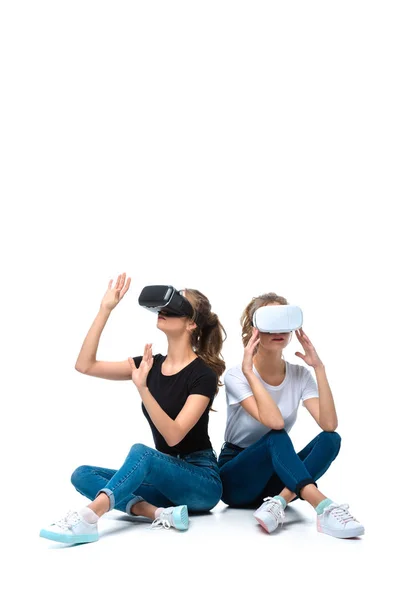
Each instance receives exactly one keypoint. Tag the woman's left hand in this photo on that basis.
(139, 375)
(310, 357)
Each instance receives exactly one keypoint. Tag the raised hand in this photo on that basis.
(139, 375)
(310, 357)
(115, 294)
(247, 364)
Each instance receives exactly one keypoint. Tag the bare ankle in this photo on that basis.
(100, 505)
(136, 509)
(287, 495)
(312, 495)
(143, 509)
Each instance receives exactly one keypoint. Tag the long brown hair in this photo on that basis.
(247, 315)
(209, 335)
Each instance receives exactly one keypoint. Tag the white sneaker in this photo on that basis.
(270, 514)
(173, 516)
(337, 521)
(71, 529)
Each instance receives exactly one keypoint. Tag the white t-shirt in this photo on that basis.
(241, 428)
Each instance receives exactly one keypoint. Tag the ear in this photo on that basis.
(191, 326)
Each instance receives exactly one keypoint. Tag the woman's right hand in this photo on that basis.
(247, 364)
(115, 294)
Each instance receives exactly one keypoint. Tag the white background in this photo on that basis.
(234, 147)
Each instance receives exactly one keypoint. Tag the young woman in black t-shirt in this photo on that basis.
(177, 391)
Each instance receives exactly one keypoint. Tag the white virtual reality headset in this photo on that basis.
(278, 319)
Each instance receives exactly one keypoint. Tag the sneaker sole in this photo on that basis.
(342, 534)
(180, 517)
(69, 539)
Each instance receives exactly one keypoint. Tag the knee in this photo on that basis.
(139, 449)
(79, 476)
(332, 438)
(276, 434)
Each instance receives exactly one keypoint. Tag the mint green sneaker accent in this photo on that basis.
(173, 516)
(281, 500)
(71, 529)
(322, 505)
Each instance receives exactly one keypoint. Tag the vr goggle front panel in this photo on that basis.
(167, 299)
(278, 319)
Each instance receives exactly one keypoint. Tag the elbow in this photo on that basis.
(329, 427)
(277, 424)
(173, 439)
(80, 368)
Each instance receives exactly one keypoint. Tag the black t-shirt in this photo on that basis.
(171, 392)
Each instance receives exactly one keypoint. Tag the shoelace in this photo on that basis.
(340, 512)
(166, 524)
(70, 519)
(276, 508)
(163, 519)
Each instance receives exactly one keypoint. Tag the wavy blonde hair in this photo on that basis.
(247, 316)
(209, 335)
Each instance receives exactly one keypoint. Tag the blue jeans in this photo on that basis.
(271, 464)
(163, 480)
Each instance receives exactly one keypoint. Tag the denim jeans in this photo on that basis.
(264, 468)
(161, 479)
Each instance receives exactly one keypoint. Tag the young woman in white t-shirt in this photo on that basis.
(257, 460)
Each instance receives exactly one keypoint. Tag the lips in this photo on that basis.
(277, 339)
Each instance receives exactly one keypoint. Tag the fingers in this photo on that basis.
(304, 335)
(301, 336)
(254, 336)
(132, 363)
(147, 354)
(121, 281)
(110, 284)
(253, 341)
(126, 288)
